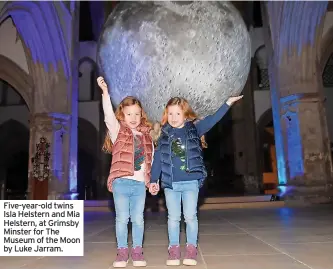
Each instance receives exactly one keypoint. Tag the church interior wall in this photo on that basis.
(11, 44)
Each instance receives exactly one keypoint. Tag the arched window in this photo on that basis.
(263, 75)
(88, 90)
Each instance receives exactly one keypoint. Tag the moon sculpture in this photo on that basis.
(198, 50)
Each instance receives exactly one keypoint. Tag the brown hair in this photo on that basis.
(188, 113)
(127, 101)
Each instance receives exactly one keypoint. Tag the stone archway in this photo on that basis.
(14, 158)
(265, 119)
(14, 136)
(261, 60)
(88, 77)
(18, 78)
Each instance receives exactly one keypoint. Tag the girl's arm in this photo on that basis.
(204, 125)
(207, 123)
(156, 166)
(109, 117)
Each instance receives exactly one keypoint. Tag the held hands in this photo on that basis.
(233, 100)
(154, 188)
(102, 84)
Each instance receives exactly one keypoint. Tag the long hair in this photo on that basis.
(155, 132)
(119, 113)
(189, 114)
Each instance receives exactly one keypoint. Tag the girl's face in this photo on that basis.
(176, 117)
(132, 116)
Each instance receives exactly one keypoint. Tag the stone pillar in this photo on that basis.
(306, 147)
(73, 87)
(244, 138)
(238, 146)
(301, 136)
(252, 180)
(54, 127)
(53, 67)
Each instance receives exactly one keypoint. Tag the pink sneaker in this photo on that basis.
(191, 255)
(122, 258)
(174, 256)
(138, 258)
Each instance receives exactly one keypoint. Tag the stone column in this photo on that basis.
(301, 136)
(55, 128)
(238, 146)
(53, 68)
(306, 147)
(73, 90)
(252, 180)
(244, 138)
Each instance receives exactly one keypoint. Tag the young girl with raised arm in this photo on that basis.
(128, 139)
(178, 163)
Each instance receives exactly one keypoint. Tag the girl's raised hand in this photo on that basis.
(102, 84)
(233, 100)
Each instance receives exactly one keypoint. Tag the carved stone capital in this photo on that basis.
(49, 122)
(291, 103)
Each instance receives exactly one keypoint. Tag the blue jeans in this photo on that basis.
(129, 200)
(187, 193)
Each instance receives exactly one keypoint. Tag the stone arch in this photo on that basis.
(88, 159)
(88, 59)
(87, 135)
(261, 61)
(260, 56)
(18, 78)
(265, 119)
(40, 29)
(93, 94)
(32, 21)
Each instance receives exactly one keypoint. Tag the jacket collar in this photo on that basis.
(144, 129)
(167, 127)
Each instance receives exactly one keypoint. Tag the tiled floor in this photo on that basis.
(275, 238)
